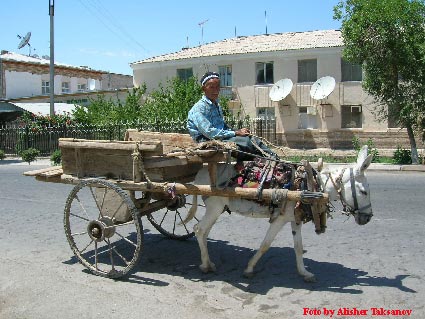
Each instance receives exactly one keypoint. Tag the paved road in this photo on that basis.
(372, 266)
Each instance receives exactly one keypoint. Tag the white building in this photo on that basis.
(27, 77)
(249, 66)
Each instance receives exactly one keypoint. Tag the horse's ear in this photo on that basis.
(362, 166)
(320, 164)
(362, 155)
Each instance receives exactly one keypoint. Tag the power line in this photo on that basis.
(106, 13)
(101, 14)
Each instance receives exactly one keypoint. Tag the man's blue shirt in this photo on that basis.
(206, 120)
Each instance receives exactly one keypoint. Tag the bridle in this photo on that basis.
(347, 208)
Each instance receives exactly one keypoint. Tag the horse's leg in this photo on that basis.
(298, 247)
(202, 229)
(274, 228)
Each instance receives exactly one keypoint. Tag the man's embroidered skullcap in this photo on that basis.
(208, 76)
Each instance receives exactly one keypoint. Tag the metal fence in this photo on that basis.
(15, 138)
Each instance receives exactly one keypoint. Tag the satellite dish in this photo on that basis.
(25, 40)
(322, 88)
(280, 90)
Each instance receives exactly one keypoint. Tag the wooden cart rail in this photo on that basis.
(55, 174)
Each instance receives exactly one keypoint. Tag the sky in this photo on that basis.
(108, 35)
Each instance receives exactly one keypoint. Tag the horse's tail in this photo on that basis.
(192, 210)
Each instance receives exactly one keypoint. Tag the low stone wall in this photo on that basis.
(343, 139)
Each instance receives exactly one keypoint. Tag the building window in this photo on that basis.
(307, 117)
(82, 88)
(265, 112)
(351, 116)
(264, 73)
(225, 72)
(65, 87)
(350, 71)
(307, 70)
(45, 87)
(184, 74)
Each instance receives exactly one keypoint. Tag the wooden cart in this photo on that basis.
(118, 182)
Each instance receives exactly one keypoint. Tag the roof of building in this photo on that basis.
(10, 111)
(256, 44)
(16, 57)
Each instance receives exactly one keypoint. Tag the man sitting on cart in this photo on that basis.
(206, 122)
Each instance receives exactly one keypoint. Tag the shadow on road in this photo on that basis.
(277, 268)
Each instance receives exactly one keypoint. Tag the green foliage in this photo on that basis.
(56, 157)
(370, 146)
(102, 110)
(2, 155)
(356, 143)
(402, 156)
(29, 155)
(37, 122)
(373, 150)
(168, 102)
(388, 38)
(172, 101)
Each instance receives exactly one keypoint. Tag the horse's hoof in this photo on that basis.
(248, 275)
(206, 269)
(311, 279)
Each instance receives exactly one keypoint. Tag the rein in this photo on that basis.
(346, 207)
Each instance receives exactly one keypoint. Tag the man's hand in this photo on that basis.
(242, 132)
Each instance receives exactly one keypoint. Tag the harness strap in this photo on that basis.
(353, 189)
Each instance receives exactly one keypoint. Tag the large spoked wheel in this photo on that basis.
(169, 220)
(103, 228)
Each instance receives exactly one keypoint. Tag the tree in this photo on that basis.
(172, 101)
(168, 102)
(388, 38)
(103, 111)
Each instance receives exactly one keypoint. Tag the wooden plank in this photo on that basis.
(170, 141)
(147, 146)
(190, 189)
(52, 173)
(159, 161)
(43, 170)
(53, 179)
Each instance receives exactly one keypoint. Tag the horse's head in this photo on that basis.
(351, 187)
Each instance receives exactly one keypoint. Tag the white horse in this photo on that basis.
(349, 185)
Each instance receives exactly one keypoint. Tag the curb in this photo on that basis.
(372, 167)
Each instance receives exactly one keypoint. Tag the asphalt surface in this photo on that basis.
(379, 265)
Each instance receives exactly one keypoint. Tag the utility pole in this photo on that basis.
(52, 58)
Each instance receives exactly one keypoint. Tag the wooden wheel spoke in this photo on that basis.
(126, 239)
(163, 217)
(118, 208)
(95, 200)
(82, 206)
(181, 221)
(113, 249)
(78, 216)
(95, 255)
(88, 245)
(79, 234)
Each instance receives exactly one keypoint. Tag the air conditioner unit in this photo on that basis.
(356, 109)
